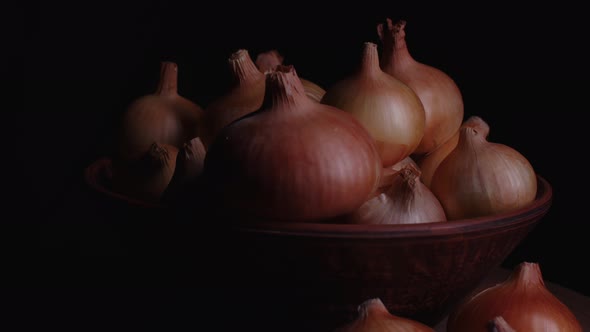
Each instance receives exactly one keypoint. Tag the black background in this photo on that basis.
(520, 68)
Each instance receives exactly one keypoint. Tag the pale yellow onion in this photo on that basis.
(244, 97)
(387, 108)
(269, 60)
(163, 116)
(406, 201)
(147, 177)
(480, 178)
(373, 316)
(522, 300)
(429, 162)
(442, 99)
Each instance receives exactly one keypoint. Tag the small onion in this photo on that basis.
(373, 316)
(294, 159)
(481, 178)
(189, 166)
(406, 201)
(244, 97)
(163, 116)
(440, 96)
(147, 177)
(523, 302)
(388, 108)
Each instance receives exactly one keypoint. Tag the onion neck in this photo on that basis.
(168, 84)
(370, 60)
(528, 275)
(284, 89)
(393, 38)
(242, 67)
(470, 137)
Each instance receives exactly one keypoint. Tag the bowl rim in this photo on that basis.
(97, 170)
(516, 218)
(527, 214)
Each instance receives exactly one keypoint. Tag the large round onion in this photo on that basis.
(294, 159)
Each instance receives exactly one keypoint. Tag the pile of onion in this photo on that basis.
(275, 146)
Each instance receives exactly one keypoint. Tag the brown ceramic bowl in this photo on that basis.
(315, 275)
(98, 177)
(322, 272)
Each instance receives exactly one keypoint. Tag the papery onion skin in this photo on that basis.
(406, 201)
(391, 112)
(429, 162)
(440, 95)
(522, 300)
(294, 159)
(244, 97)
(373, 316)
(480, 178)
(163, 116)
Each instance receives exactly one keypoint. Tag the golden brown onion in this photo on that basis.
(387, 108)
(440, 96)
(480, 178)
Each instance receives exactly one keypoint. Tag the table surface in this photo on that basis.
(577, 303)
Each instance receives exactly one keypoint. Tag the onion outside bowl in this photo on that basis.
(320, 273)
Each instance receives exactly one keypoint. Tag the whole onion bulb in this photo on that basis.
(480, 178)
(294, 159)
(163, 116)
(387, 108)
(442, 99)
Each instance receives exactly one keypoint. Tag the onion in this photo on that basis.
(442, 100)
(294, 159)
(388, 108)
(164, 117)
(189, 166)
(147, 177)
(406, 201)
(244, 97)
(373, 316)
(481, 178)
(269, 60)
(523, 302)
(429, 162)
